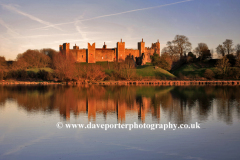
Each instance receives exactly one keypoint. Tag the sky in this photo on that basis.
(32, 24)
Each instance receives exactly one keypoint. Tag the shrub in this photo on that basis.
(22, 74)
(11, 74)
(125, 71)
(155, 59)
(209, 74)
(223, 64)
(110, 77)
(91, 72)
(32, 74)
(165, 61)
(126, 74)
(237, 73)
(234, 73)
(219, 73)
(44, 75)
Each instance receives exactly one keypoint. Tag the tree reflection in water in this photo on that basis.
(177, 104)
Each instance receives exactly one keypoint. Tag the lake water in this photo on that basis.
(29, 114)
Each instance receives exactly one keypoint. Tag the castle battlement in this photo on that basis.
(120, 53)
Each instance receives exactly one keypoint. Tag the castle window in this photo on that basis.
(82, 56)
(102, 57)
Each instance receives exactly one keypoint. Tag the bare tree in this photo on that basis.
(64, 66)
(226, 48)
(200, 49)
(91, 72)
(34, 58)
(237, 49)
(3, 67)
(20, 64)
(174, 57)
(221, 50)
(228, 45)
(49, 52)
(179, 45)
(3, 63)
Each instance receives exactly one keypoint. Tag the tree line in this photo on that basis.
(64, 68)
(177, 53)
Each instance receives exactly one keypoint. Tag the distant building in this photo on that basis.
(93, 54)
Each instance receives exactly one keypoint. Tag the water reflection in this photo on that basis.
(176, 104)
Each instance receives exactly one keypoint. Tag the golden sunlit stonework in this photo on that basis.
(120, 53)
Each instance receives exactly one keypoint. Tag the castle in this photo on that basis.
(120, 53)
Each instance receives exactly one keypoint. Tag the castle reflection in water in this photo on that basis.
(92, 106)
(178, 104)
(95, 100)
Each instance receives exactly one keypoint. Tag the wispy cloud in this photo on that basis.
(80, 31)
(52, 35)
(10, 31)
(135, 10)
(115, 14)
(78, 27)
(68, 40)
(44, 35)
(14, 9)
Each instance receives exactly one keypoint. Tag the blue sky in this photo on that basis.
(29, 24)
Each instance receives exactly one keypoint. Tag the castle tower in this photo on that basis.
(141, 48)
(104, 46)
(156, 47)
(91, 53)
(120, 51)
(75, 47)
(65, 49)
(60, 48)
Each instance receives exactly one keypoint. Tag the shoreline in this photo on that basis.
(136, 83)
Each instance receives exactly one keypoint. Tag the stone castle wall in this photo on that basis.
(134, 52)
(79, 54)
(103, 55)
(93, 54)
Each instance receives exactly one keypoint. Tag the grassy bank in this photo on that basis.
(151, 71)
(117, 72)
(145, 71)
(38, 69)
(194, 69)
